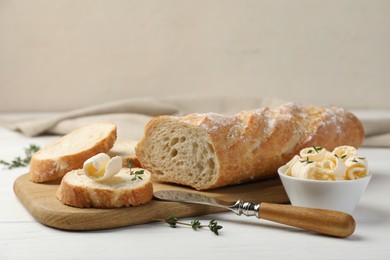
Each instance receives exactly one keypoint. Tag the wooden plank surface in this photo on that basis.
(40, 201)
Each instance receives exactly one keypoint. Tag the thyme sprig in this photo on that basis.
(342, 157)
(360, 158)
(19, 161)
(316, 149)
(135, 173)
(307, 161)
(214, 227)
(173, 221)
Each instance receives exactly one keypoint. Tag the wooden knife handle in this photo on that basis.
(329, 222)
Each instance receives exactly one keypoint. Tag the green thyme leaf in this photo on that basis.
(360, 158)
(307, 161)
(317, 149)
(195, 224)
(172, 221)
(135, 173)
(214, 227)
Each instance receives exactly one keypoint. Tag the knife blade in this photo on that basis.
(324, 221)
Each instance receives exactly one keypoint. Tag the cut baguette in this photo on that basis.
(77, 190)
(207, 151)
(70, 151)
(126, 150)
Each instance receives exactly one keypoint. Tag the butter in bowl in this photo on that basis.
(317, 178)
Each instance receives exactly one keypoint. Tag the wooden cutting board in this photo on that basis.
(41, 202)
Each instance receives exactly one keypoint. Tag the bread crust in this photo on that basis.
(251, 145)
(89, 196)
(49, 169)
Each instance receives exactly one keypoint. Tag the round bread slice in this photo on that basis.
(122, 190)
(70, 151)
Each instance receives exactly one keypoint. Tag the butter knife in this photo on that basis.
(328, 222)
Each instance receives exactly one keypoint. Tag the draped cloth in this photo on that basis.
(131, 115)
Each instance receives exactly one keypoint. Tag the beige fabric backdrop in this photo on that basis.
(131, 115)
(67, 54)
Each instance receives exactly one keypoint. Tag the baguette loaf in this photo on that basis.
(70, 151)
(77, 190)
(207, 151)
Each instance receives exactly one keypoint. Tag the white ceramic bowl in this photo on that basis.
(336, 195)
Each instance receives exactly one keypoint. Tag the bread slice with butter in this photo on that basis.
(70, 151)
(121, 190)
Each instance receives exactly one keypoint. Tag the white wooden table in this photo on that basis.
(22, 237)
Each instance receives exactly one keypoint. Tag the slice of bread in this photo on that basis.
(121, 190)
(126, 150)
(69, 152)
